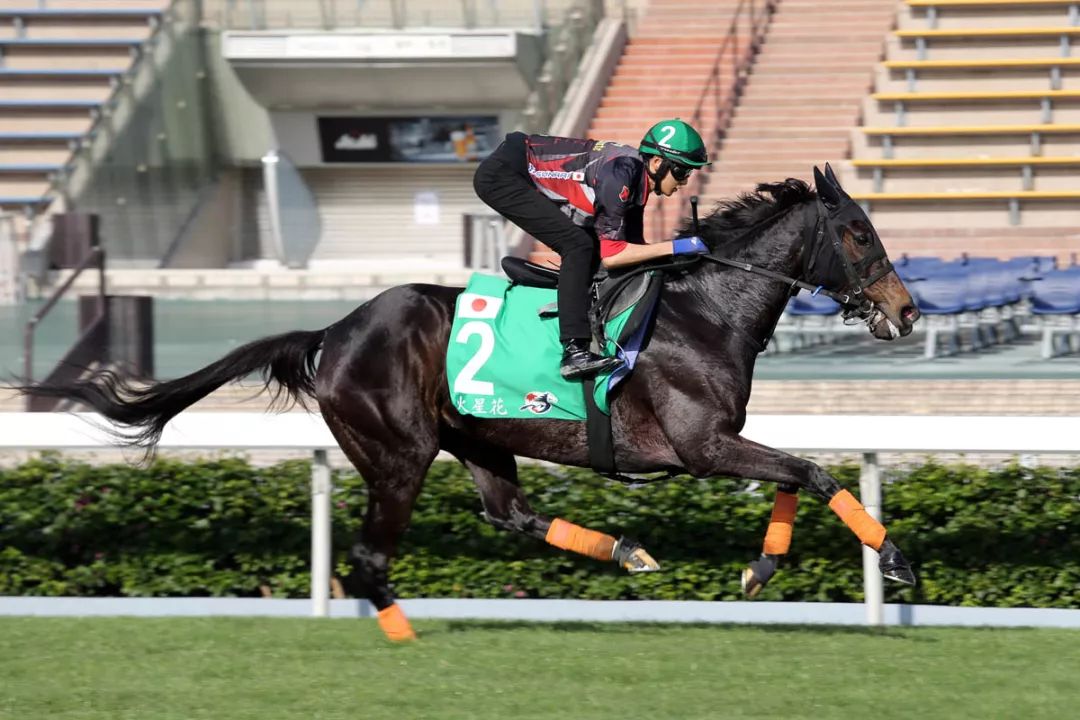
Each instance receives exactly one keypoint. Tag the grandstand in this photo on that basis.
(222, 144)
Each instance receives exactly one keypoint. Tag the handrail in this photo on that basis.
(96, 256)
(758, 12)
(149, 145)
(60, 180)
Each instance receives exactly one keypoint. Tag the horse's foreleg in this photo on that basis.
(507, 508)
(739, 457)
(777, 541)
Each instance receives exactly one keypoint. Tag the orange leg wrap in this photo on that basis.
(778, 536)
(851, 511)
(568, 536)
(395, 625)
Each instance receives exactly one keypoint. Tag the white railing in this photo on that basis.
(864, 434)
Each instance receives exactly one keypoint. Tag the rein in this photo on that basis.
(809, 253)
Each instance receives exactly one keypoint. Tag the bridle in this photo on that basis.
(856, 306)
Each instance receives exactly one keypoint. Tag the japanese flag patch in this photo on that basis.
(485, 307)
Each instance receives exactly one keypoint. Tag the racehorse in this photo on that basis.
(379, 377)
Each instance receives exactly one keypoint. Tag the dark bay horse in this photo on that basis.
(380, 383)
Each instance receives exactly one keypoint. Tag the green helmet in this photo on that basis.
(676, 141)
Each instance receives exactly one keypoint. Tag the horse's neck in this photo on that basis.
(750, 301)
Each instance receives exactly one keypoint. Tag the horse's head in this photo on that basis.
(860, 267)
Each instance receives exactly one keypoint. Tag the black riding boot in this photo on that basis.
(578, 362)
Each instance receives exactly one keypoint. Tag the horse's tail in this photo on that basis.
(288, 360)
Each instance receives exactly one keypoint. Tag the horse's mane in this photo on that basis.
(731, 219)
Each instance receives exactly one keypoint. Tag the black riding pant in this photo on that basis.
(502, 181)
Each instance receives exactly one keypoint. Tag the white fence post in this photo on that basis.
(10, 276)
(870, 495)
(320, 535)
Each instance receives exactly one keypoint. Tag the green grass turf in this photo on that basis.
(233, 669)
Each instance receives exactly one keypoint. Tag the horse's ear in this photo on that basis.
(831, 177)
(826, 188)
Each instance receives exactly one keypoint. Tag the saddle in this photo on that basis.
(611, 294)
(637, 290)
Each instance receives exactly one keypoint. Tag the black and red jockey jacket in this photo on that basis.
(599, 185)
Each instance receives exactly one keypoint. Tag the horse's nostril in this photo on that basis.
(910, 313)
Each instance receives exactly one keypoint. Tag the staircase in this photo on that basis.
(60, 60)
(971, 141)
(804, 93)
(681, 63)
(670, 69)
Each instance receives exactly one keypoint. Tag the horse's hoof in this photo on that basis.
(892, 564)
(757, 576)
(395, 625)
(751, 586)
(633, 557)
(902, 575)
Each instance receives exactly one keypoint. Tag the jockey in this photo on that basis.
(570, 193)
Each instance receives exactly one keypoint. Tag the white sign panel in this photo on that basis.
(367, 46)
(426, 208)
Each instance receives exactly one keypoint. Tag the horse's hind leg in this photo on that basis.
(394, 476)
(507, 508)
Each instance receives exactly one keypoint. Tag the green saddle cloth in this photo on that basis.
(503, 357)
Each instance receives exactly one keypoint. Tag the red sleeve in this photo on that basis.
(611, 247)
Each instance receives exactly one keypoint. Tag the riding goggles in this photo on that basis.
(680, 172)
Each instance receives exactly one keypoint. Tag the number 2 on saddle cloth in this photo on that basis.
(503, 357)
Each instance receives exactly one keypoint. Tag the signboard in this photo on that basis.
(426, 208)
(412, 139)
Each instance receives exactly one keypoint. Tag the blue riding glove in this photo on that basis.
(689, 246)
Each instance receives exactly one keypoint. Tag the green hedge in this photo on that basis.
(1007, 537)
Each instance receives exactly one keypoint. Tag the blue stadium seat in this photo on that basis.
(941, 293)
(1056, 293)
(806, 304)
(1055, 302)
(807, 321)
(918, 267)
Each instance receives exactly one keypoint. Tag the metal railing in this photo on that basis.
(485, 242)
(867, 435)
(716, 104)
(87, 349)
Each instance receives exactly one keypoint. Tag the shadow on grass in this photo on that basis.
(639, 628)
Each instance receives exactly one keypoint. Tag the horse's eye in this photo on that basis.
(863, 240)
